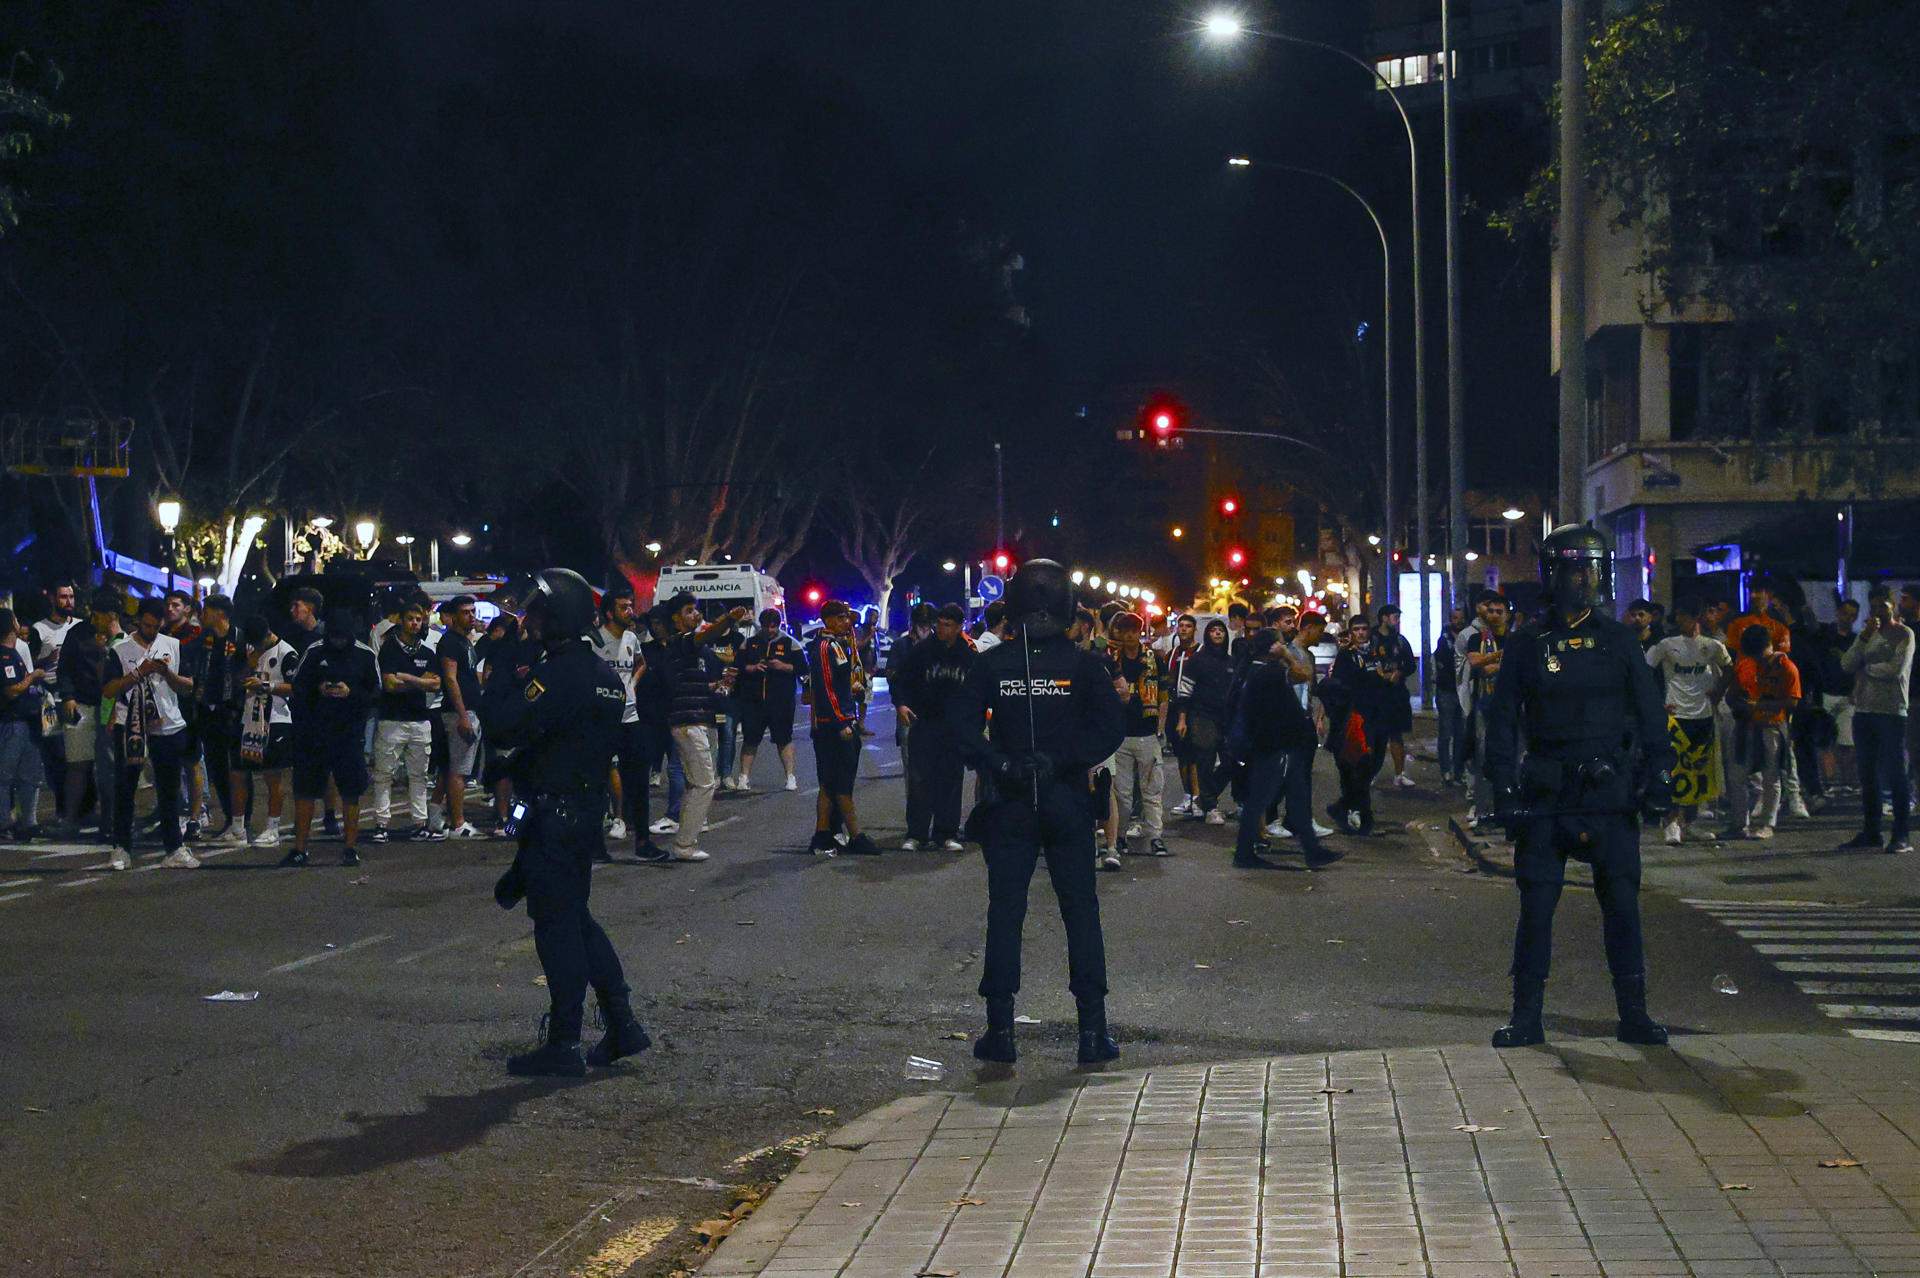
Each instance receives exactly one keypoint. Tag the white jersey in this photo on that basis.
(623, 654)
(167, 718)
(49, 635)
(276, 667)
(431, 638)
(1694, 668)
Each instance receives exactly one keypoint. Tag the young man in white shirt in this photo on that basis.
(1696, 671)
(403, 736)
(460, 716)
(618, 644)
(149, 726)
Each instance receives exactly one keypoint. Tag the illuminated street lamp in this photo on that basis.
(406, 539)
(1094, 581)
(322, 522)
(168, 510)
(1078, 577)
(366, 532)
(654, 548)
(949, 566)
(1513, 513)
(1224, 25)
(461, 539)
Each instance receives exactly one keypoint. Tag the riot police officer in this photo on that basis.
(564, 716)
(1577, 688)
(1055, 716)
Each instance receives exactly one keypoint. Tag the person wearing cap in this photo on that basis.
(335, 688)
(836, 731)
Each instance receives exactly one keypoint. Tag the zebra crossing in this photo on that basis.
(1848, 958)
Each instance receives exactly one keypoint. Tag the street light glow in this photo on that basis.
(1147, 595)
(1223, 25)
(1373, 539)
(403, 540)
(949, 566)
(364, 531)
(1178, 532)
(1094, 581)
(654, 548)
(461, 539)
(1239, 162)
(1512, 513)
(1078, 576)
(167, 510)
(1473, 556)
(321, 521)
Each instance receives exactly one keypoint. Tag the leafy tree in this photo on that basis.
(1767, 155)
(23, 113)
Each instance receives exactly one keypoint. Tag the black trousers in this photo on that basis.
(167, 754)
(935, 777)
(1879, 742)
(642, 746)
(1356, 778)
(1540, 861)
(556, 859)
(1016, 834)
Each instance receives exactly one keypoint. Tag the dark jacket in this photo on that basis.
(83, 667)
(831, 663)
(564, 719)
(691, 699)
(1209, 683)
(1068, 711)
(653, 690)
(1268, 718)
(317, 718)
(1571, 692)
(930, 677)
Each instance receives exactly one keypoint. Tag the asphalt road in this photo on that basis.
(356, 1119)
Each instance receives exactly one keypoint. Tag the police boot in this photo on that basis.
(1096, 1044)
(1524, 1029)
(997, 1043)
(625, 1035)
(1630, 996)
(559, 1057)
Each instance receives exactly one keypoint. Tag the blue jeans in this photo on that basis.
(1880, 744)
(729, 740)
(21, 772)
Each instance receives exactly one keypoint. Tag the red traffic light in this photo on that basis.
(1229, 506)
(1002, 561)
(813, 594)
(1237, 557)
(1161, 418)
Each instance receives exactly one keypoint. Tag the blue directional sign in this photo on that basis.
(991, 588)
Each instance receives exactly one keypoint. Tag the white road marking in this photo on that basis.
(324, 955)
(14, 896)
(447, 944)
(80, 882)
(714, 825)
(1843, 947)
(19, 883)
(1870, 1012)
(1827, 934)
(1872, 968)
(1886, 1035)
(1906, 988)
(93, 850)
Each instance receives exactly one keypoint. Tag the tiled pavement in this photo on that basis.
(1590, 1158)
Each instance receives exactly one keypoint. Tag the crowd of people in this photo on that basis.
(1774, 714)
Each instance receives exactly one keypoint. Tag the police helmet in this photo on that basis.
(1576, 567)
(564, 603)
(1040, 599)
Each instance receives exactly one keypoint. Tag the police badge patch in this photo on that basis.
(534, 689)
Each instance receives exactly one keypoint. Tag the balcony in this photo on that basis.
(1736, 472)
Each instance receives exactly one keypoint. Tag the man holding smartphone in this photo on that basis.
(335, 689)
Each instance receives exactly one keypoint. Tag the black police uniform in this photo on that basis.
(564, 717)
(1041, 801)
(1587, 703)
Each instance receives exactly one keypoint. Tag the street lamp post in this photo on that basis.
(1456, 357)
(1386, 337)
(367, 533)
(168, 510)
(1226, 26)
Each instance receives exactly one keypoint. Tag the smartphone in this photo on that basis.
(516, 814)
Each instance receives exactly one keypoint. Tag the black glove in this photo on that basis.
(511, 887)
(1656, 794)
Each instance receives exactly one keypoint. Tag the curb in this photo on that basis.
(1490, 856)
(747, 1249)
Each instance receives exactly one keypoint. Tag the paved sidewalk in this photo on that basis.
(1583, 1158)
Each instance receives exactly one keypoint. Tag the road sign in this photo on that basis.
(992, 587)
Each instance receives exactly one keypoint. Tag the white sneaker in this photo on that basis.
(120, 860)
(689, 854)
(1404, 781)
(1763, 832)
(1183, 808)
(465, 830)
(618, 830)
(742, 784)
(233, 836)
(1473, 815)
(729, 784)
(1279, 830)
(793, 782)
(1214, 817)
(909, 845)
(1799, 812)
(842, 839)
(1673, 834)
(665, 825)
(181, 860)
(1322, 831)
(953, 845)
(1700, 834)
(1135, 830)
(267, 838)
